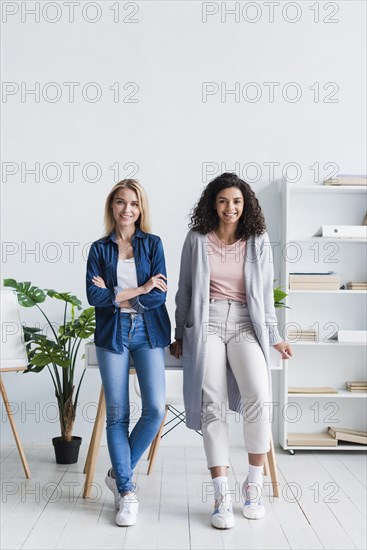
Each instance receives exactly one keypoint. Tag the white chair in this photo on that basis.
(13, 357)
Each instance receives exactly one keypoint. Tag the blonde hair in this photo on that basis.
(143, 221)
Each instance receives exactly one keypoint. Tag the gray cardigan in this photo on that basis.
(192, 312)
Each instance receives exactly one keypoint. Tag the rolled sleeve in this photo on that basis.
(137, 305)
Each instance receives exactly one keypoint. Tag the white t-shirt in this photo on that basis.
(126, 278)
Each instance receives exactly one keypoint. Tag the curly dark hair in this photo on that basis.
(204, 217)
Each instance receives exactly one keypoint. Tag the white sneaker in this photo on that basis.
(222, 517)
(129, 506)
(111, 484)
(253, 507)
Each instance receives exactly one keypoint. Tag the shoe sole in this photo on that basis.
(125, 524)
(255, 514)
(228, 524)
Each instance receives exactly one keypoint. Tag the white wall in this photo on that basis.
(173, 138)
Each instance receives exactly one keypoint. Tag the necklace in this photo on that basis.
(124, 252)
(221, 242)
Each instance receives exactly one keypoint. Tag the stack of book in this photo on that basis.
(323, 439)
(314, 281)
(357, 386)
(301, 334)
(356, 286)
(346, 434)
(346, 179)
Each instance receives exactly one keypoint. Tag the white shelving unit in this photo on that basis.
(323, 363)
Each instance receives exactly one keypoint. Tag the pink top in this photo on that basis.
(226, 261)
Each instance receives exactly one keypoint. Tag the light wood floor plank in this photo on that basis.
(32, 497)
(173, 532)
(356, 464)
(176, 503)
(313, 486)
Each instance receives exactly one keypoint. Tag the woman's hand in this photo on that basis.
(176, 349)
(155, 282)
(98, 281)
(285, 349)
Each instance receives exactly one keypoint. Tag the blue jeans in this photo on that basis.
(126, 449)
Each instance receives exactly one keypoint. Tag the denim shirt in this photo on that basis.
(149, 260)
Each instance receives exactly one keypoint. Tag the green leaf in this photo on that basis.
(32, 330)
(86, 323)
(279, 295)
(28, 296)
(47, 352)
(31, 368)
(65, 297)
(31, 334)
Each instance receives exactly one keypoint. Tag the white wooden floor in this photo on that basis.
(322, 503)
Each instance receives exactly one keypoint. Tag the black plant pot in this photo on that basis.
(66, 452)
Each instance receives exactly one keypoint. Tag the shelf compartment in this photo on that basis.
(317, 188)
(350, 292)
(331, 344)
(340, 394)
(302, 239)
(338, 447)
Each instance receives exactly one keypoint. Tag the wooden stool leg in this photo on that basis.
(156, 443)
(151, 448)
(266, 466)
(14, 430)
(94, 444)
(92, 439)
(273, 468)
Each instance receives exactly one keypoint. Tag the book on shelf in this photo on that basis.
(299, 338)
(302, 334)
(326, 389)
(350, 336)
(362, 285)
(357, 386)
(323, 439)
(314, 281)
(347, 434)
(347, 179)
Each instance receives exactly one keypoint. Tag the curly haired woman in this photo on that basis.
(225, 323)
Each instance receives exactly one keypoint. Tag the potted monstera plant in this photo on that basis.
(57, 349)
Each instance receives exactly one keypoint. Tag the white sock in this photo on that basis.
(220, 487)
(255, 474)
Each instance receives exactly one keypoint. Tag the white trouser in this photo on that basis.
(231, 343)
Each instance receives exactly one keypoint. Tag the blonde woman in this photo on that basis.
(126, 282)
